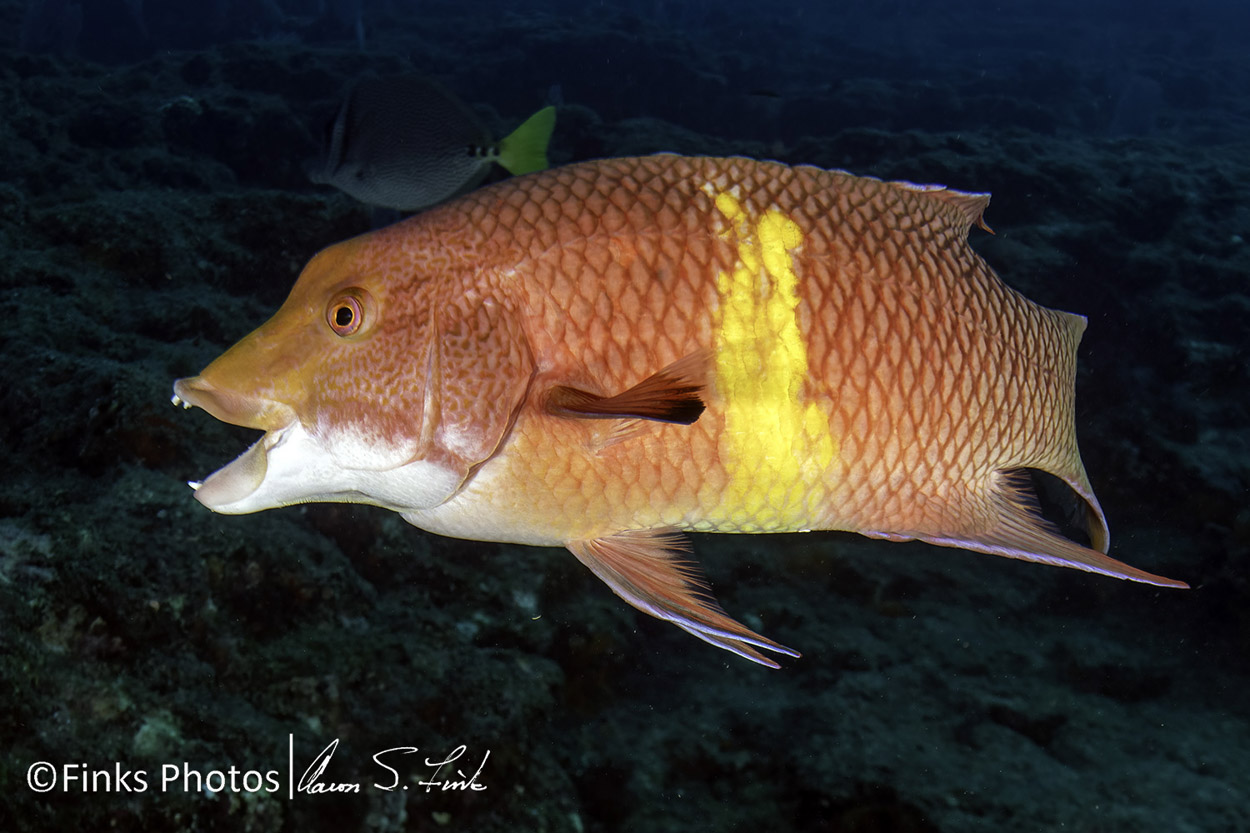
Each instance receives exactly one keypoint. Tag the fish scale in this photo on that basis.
(603, 355)
(857, 339)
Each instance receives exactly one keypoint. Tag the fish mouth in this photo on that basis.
(228, 488)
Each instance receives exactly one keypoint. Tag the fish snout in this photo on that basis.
(236, 408)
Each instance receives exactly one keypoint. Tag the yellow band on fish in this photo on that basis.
(777, 445)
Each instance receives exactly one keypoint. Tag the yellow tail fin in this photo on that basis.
(524, 150)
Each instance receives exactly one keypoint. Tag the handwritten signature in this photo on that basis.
(312, 781)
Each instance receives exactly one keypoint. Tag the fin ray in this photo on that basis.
(643, 567)
(670, 395)
(524, 150)
(1019, 532)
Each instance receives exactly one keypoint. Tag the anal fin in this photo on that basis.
(1020, 532)
(646, 569)
(670, 395)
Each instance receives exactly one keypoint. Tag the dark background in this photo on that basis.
(153, 209)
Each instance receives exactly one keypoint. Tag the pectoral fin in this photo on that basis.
(646, 569)
(671, 395)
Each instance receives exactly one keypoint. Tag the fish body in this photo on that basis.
(605, 355)
(406, 143)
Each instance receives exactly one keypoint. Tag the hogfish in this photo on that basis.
(608, 354)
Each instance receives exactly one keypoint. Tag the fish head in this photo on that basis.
(369, 386)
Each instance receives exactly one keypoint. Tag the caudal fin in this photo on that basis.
(524, 150)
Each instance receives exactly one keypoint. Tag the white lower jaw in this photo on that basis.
(289, 465)
(232, 488)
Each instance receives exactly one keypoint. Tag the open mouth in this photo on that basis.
(241, 478)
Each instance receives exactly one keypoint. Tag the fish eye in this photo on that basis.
(345, 314)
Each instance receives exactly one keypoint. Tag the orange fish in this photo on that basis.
(603, 355)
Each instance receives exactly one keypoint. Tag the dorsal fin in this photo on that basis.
(970, 206)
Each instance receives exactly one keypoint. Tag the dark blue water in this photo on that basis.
(180, 670)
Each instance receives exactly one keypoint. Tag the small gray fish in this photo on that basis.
(406, 143)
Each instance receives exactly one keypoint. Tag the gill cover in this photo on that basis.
(478, 372)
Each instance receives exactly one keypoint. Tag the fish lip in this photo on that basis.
(235, 481)
(230, 488)
(231, 407)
